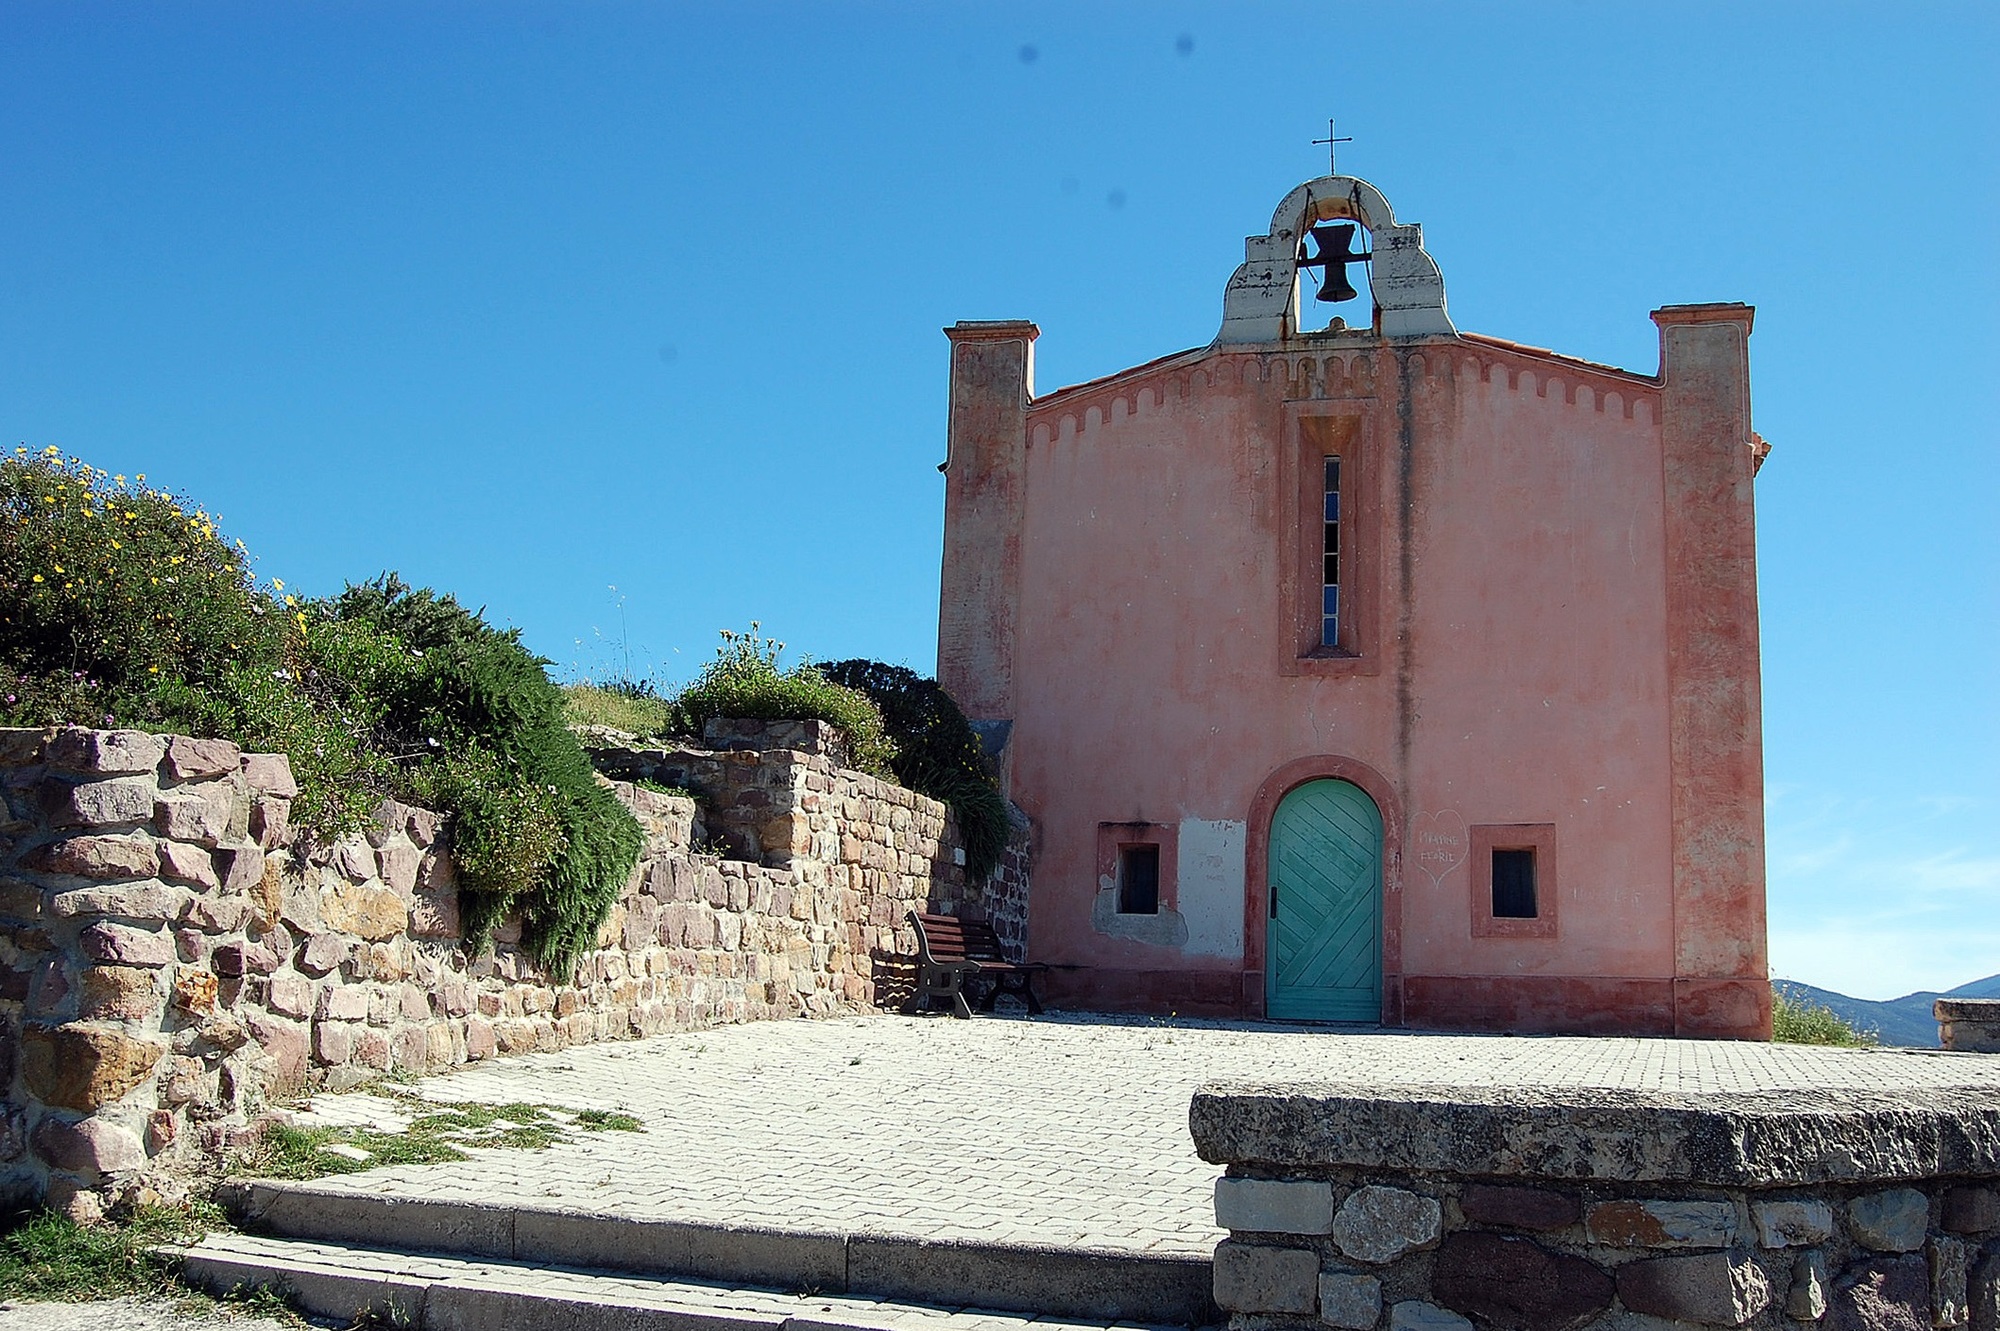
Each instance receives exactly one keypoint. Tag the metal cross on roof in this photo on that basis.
(1331, 141)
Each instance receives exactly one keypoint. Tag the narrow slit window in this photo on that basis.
(1138, 880)
(1329, 625)
(1514, 884)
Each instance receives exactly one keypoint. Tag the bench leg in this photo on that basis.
(959, 1007)
(938, 990)
(1024, 985)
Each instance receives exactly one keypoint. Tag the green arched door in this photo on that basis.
(1323, 959)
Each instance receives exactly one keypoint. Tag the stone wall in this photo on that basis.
(1619, 1211)
(1968, 1025)
(778, 792)
(172, 955)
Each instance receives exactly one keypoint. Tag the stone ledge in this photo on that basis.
(1761, 1140)
(1968, 1025)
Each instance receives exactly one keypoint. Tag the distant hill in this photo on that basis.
(1905, 1021)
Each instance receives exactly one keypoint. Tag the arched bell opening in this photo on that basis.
(1334, 290)
(1398, 292)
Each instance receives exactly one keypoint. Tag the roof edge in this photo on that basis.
(1543, 353)
(1292, 347)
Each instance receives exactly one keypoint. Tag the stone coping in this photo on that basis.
(1966, 1009)
(1760, 1139)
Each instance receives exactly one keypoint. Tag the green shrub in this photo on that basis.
(1800, 1021)
(122, 605)
(107, 586)
(341, 774)
(744, 681)
(937, 754)
(544, 837)
(505, 833)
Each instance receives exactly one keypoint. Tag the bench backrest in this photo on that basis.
(945, 939)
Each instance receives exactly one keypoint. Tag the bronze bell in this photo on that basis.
(1335, 245)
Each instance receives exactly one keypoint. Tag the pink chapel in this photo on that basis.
(1388, 674)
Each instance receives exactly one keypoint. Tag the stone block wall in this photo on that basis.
(1968, 1025)
(172, 956)
(1004, 900)
(1804, 1222)
(778, 792)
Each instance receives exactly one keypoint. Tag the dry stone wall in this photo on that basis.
(1603, 1212)
(173, 956)
(779, 793)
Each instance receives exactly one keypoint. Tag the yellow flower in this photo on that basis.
(38, 577)
(279, 583)
(152, 670)
(116, 546)
(291, 600)
(120, 478)
(48, 499)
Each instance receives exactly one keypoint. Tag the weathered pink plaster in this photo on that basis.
(1553, 623)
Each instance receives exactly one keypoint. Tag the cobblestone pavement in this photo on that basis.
(1068, 1130)
(133, 1315)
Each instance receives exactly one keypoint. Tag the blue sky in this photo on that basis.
(623, 320)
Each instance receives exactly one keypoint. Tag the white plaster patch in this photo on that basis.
(1209, 877)
(1165, 929)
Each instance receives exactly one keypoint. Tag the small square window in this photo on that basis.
(1514, 883)
(1138, 880)
(1515, 890)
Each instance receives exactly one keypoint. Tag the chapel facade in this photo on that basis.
(1387, 674)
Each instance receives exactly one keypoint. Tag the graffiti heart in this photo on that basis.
(1439, 840)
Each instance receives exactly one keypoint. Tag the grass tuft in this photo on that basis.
(438, 1134)
(604, 1120)
(46, 1257)
(636, 714)
(283, 1151)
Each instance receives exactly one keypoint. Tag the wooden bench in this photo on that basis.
(953, 954)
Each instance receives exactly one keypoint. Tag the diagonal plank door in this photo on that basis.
(1324, 958)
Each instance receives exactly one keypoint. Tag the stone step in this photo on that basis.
(432, 1292)
(1097, 1285)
